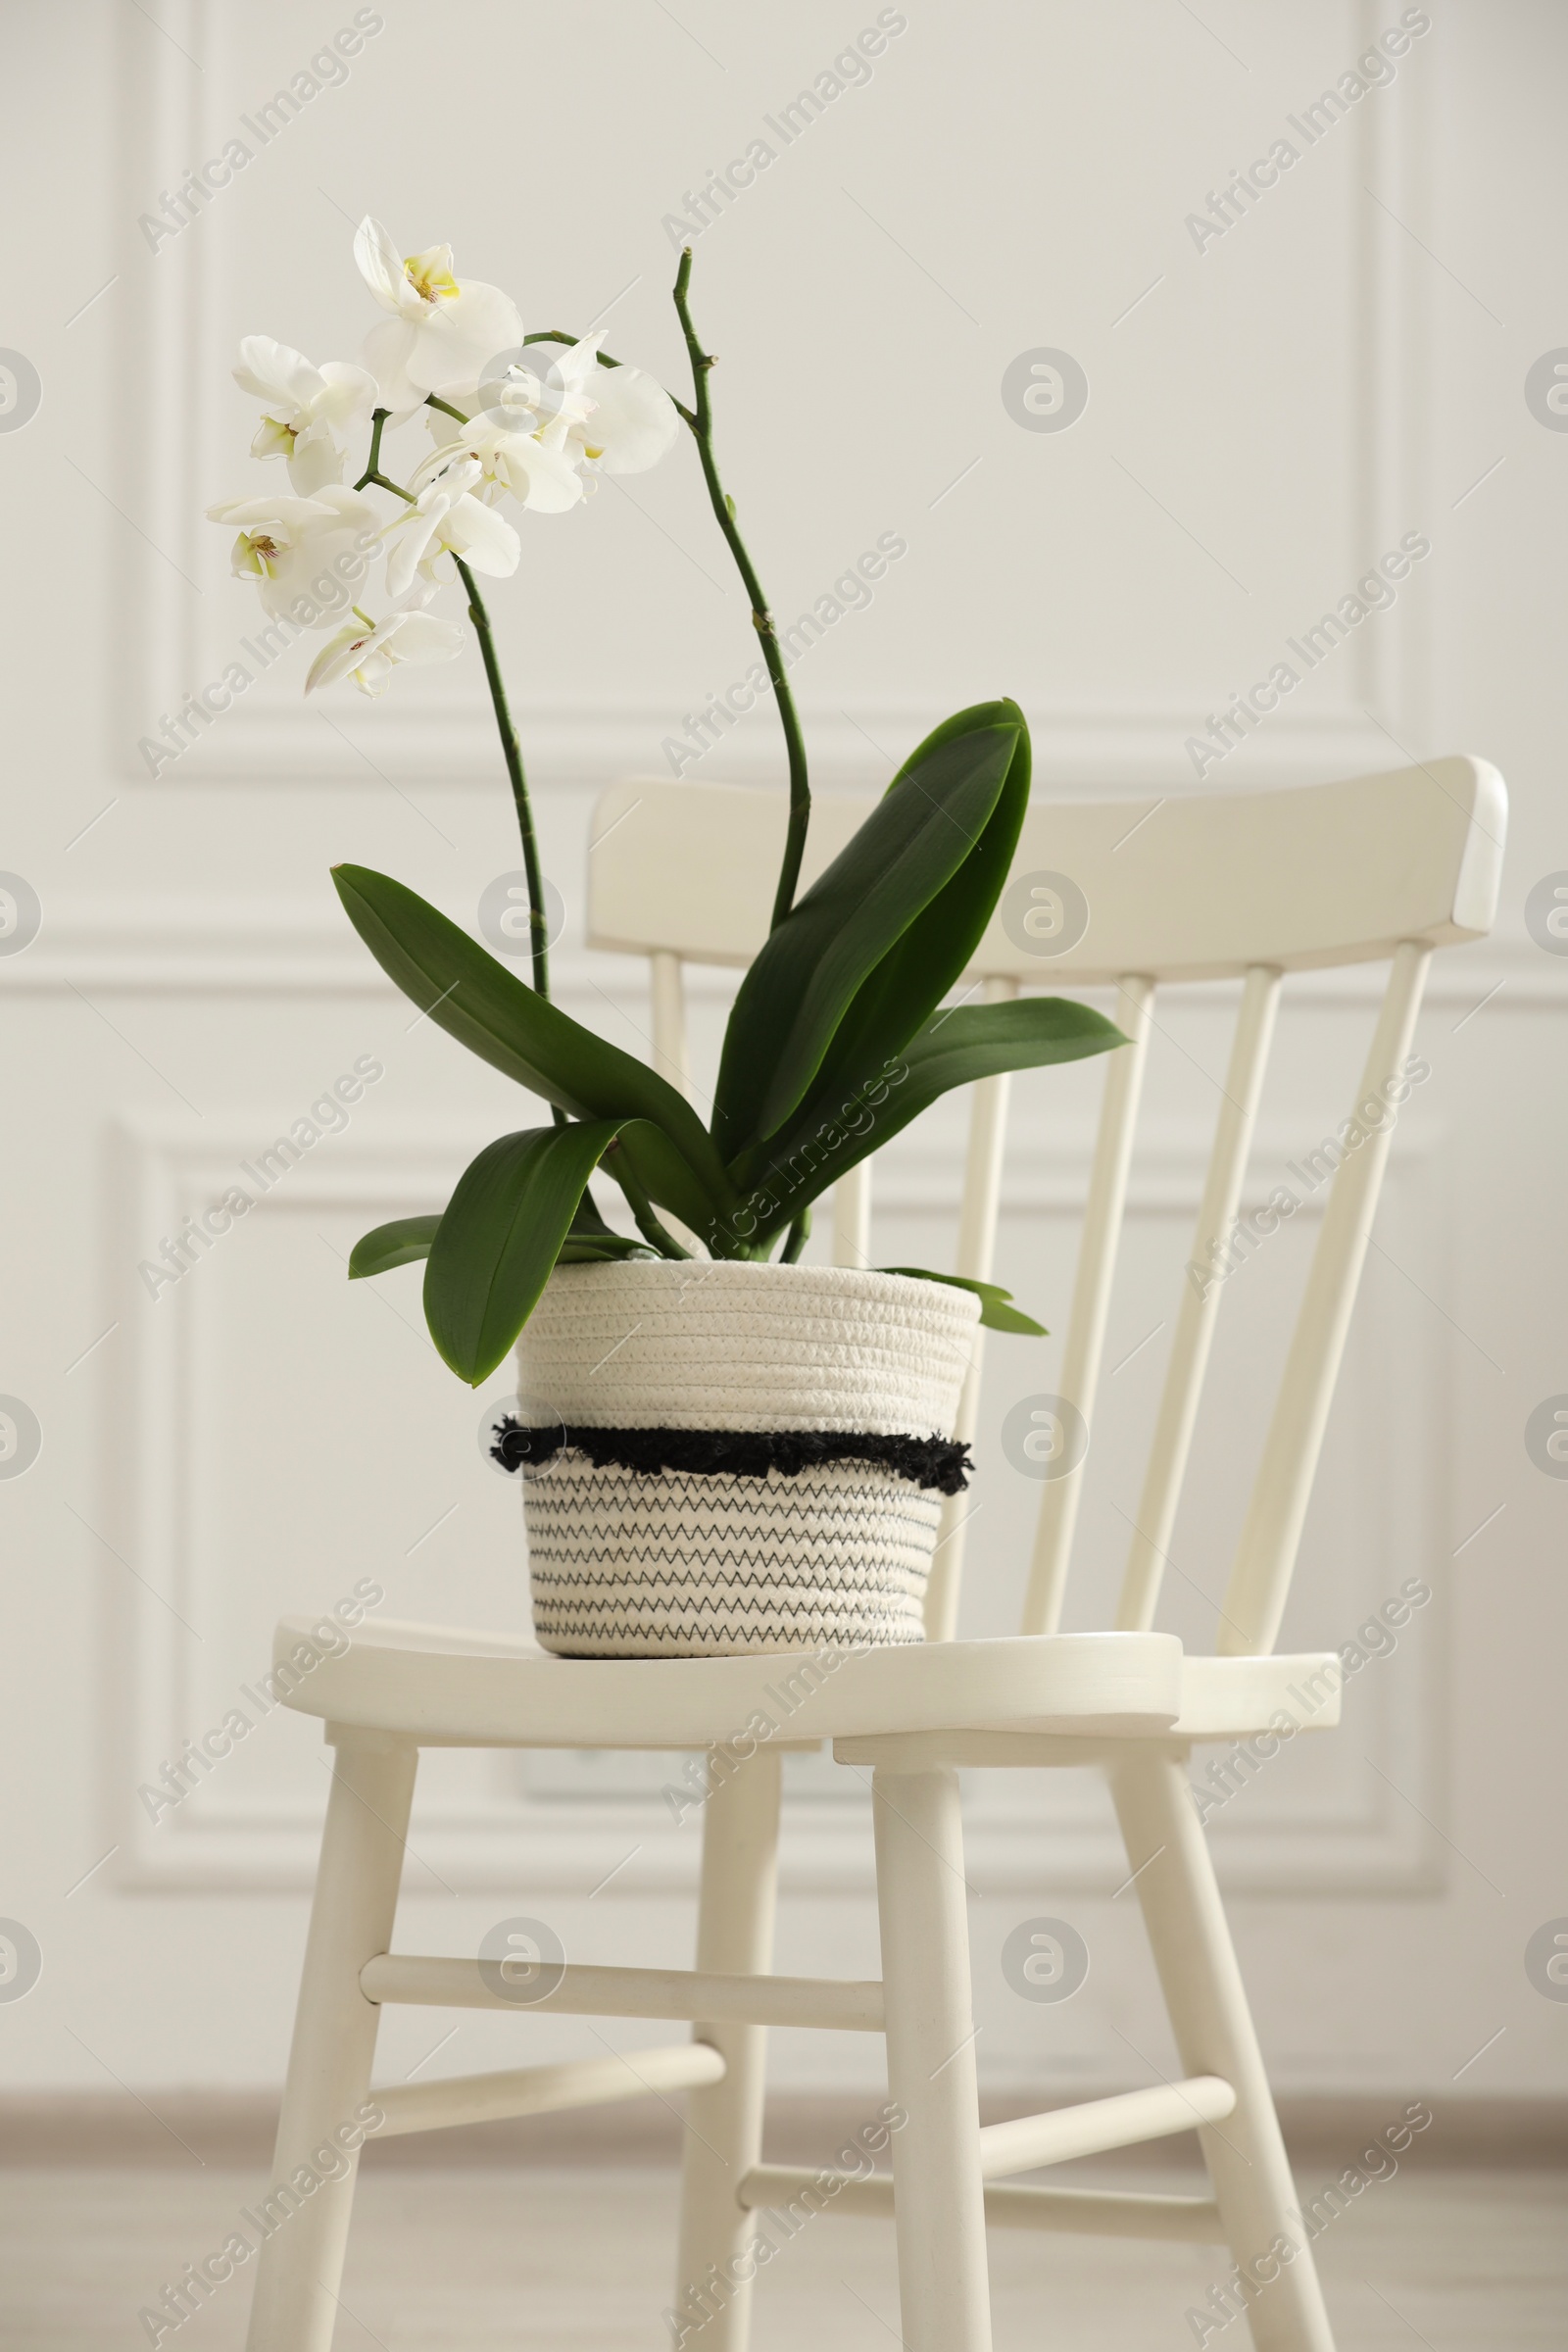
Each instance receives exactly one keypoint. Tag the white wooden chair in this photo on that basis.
(1247, 888)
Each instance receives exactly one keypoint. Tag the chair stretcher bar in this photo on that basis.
(545, 2090)
(1089, 2129)
(1091, 2213)
(667, 1992)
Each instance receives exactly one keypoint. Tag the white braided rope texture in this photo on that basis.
(624, 1565)
(726, 1345)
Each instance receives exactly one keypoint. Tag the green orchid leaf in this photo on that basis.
(665, 1175)
(501, 1235)
(589, 1241)
(828, 1137)
(588, 1223)
(590, 1237)
(467, 993)
(813, 967)
(905, 989)
(396, 1245)
(997, 1310)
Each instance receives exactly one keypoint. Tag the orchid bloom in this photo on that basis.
(305, 555)
(368, 653)
(447, 519)
(443, 330)
(537, 475)
(301, 409)
(552, 420)
(617, 419)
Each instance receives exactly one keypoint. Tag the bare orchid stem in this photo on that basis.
(512, 752)
(701, 425)
(511, 748)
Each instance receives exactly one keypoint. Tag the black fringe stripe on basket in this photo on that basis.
(940, 1462)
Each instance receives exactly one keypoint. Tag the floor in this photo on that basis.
(577, 2261)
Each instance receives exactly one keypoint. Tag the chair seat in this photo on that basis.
(446, 1687)
(1238, 1699)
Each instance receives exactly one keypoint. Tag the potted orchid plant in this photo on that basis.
(744, 1383)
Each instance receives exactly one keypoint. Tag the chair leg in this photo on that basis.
(944, 2293)
(325, 2096)
(724, 2120)
(1213, 2027)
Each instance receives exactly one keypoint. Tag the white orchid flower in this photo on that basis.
(447, 519)
(618, 419)
(525, 391)
(550, 419)
(443, 329)
(368, 653)
(305, 555)
(539, 476)
(302, 409)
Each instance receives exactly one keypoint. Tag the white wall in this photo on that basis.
(1266, 416)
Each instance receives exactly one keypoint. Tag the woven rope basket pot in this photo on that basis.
(636, 1563)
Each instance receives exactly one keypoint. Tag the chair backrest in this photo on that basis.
(1130, 895)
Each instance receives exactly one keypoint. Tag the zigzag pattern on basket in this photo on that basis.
(709, 1560)
(841, 1496)
(625, 1564)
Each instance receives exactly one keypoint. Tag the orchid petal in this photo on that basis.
(408, 550)
(303, 552)
(484, 539)
(433, 266)
(352, 506)
(275, 440)
(459, 337)
(347, 392)
(634, 424)
(296, 511)
(369, 654)
(274, 373)
(337, 656)
(380, 265)
(384, 353)
(315, 460)
(539, 478)
(426, 637)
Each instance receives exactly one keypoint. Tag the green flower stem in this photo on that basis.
(373, 472)
(538, 926)
(658, 1236)
(559, 334)
(700, 422)
(511, 748)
